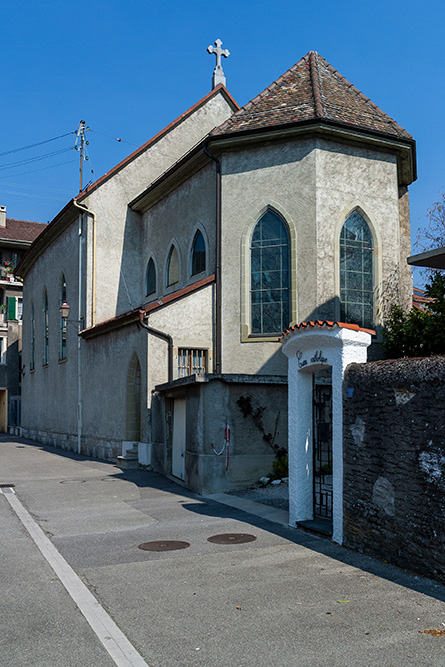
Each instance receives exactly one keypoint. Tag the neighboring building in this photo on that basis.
(15, 238)
(184, 264)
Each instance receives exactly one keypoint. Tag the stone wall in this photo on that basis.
(394, 462)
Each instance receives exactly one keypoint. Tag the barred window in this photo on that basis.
(270, 278)
(356, 272)
(191, 362)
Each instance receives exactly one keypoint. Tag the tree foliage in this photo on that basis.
(433, 235)
(418, 333)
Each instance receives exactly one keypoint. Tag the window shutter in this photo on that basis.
(12, 301)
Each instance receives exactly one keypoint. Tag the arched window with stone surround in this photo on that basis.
(45, 328)
(172, 267)
(62, 331)
(150, 278)
(269, 275)
(33, 338)
(198, 258)
(357, 272)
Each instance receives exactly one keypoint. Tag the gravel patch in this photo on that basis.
(275, 496)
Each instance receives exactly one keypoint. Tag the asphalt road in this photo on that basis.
(287, 598)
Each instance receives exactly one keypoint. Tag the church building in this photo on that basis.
(179, 270)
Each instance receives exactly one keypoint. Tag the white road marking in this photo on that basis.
(121, 651)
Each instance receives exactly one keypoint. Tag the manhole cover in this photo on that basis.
(73, 481)
(232, 538)
(164, 545)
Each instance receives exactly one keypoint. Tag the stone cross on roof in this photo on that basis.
(218, 74)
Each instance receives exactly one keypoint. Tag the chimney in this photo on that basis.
(2, 216)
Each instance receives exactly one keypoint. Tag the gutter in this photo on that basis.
(218, 305)
(163, 336)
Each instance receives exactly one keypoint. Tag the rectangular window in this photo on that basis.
(3, 350)
(191, 362)
(19, 308)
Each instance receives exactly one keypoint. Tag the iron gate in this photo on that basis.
(322, 400)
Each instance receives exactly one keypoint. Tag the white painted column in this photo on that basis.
(310, 349)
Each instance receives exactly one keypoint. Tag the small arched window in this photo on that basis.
(198, 254)
(62, 334)
(150, 278)
(270, 277)
(45, 328)
(172, 266)
(33, 339)
(356, 272)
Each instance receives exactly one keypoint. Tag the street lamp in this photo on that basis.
(64, 313)
(64, 310)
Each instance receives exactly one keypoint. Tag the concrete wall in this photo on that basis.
(210, 406)
(50, 392)
(394, 462)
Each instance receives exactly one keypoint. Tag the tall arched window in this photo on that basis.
(33, 339)
(270, 278)
(356, 272)
(45, 328)
(198, 263)
(172, 266)
(62, 334)
(150, 278)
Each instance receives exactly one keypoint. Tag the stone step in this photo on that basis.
(127, 463)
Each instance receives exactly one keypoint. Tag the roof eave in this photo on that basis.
(405, 146)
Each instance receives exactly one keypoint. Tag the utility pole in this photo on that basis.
(79, 145)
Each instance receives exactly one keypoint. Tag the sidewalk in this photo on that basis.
(286, 598)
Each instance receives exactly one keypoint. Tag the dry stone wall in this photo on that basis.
(394, 462)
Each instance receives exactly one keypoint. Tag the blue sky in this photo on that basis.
(129, 68)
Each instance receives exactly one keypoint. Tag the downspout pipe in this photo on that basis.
(80, 323)
(93, 268)
(218, 305)
(163, 336)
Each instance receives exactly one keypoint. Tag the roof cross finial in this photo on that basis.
(218, 74)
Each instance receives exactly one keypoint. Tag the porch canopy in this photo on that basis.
(313, 346)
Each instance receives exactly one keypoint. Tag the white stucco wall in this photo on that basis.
(120, 263)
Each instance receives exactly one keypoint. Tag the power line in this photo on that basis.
(118, 139)
(40, 143)
(19, 163)
(33, 171)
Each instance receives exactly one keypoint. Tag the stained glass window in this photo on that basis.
(356, 272)
(269, 266)
(198, 254)
(151, 278)
(172, 266)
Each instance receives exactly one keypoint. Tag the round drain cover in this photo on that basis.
(232, 538)
(164, 545)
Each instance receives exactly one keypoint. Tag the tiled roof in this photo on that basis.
(21, 230)
(325, 324)
(311, 90)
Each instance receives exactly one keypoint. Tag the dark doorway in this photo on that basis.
(322, 416)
